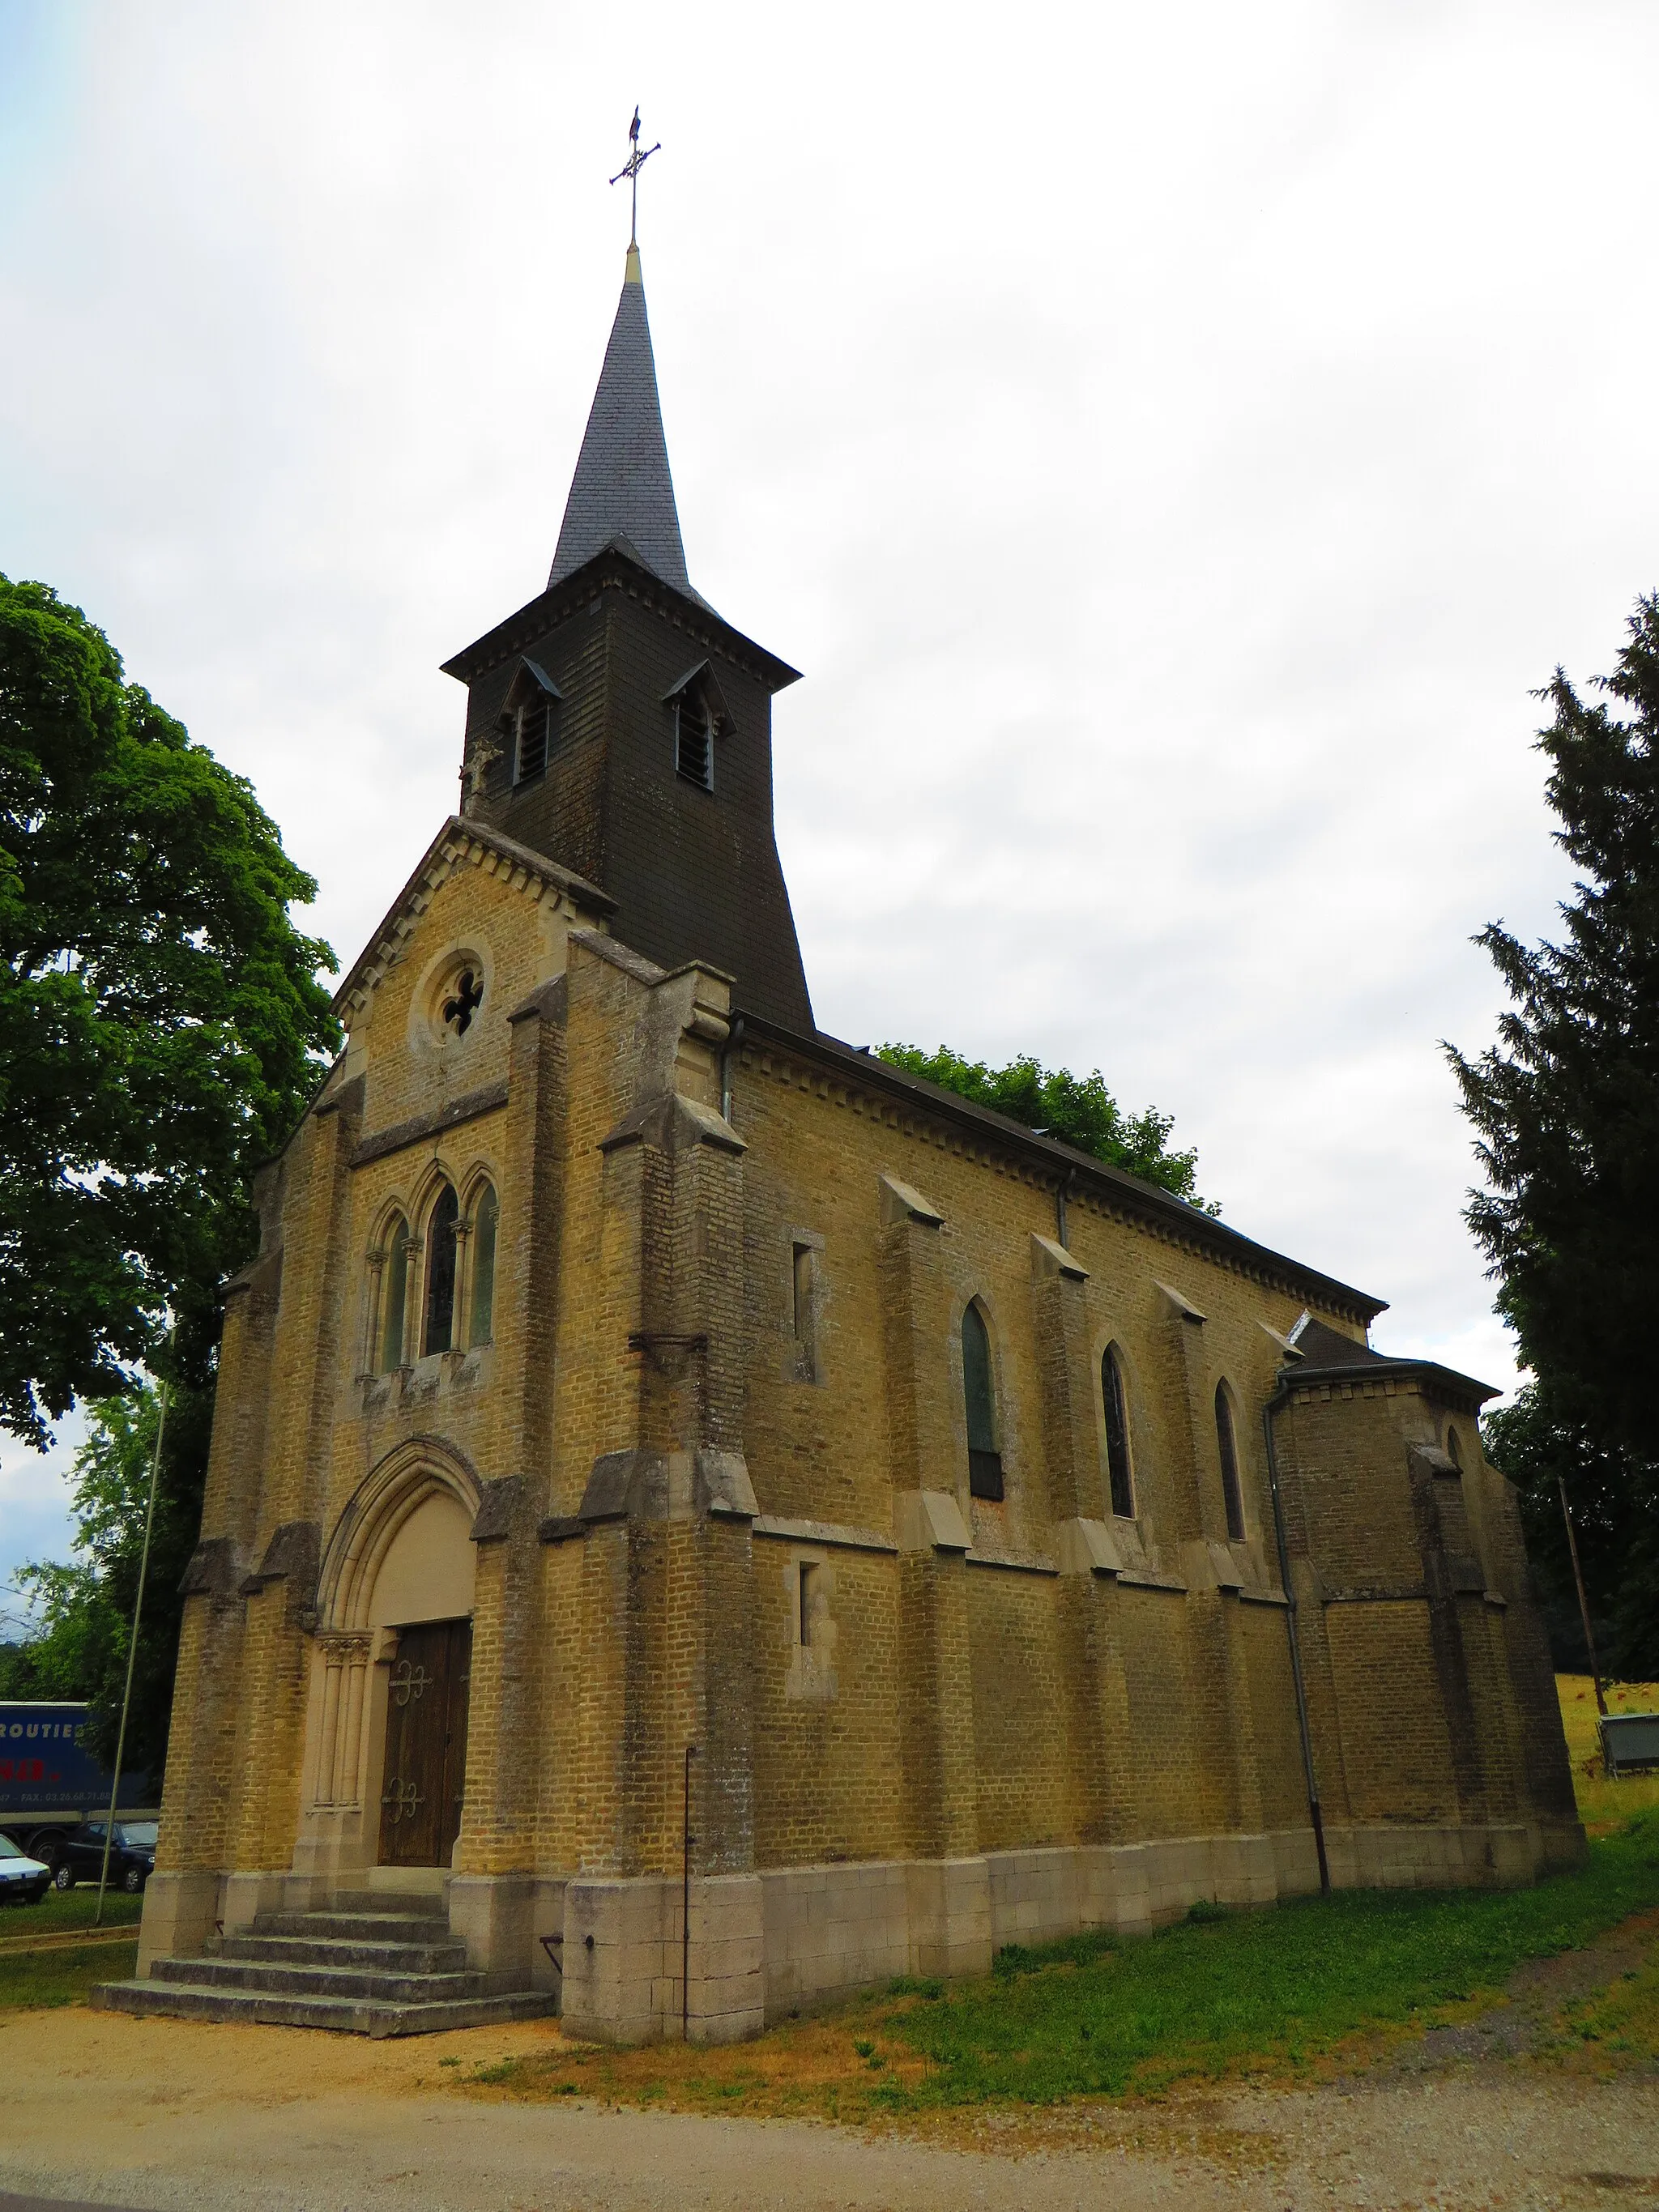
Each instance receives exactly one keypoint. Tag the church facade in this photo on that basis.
(723, 1522)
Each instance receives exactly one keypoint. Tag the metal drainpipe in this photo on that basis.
(734, 1039)
(1272, 1406)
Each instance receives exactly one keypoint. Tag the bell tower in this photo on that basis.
(617, 724)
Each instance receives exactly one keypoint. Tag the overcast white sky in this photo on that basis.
(1173, 442)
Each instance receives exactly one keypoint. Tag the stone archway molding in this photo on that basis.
(412, 1473)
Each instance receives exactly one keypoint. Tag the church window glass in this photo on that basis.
(808, 1574)
(394, 1295)
(1119, 1478)
(440, 1332)
(1227, 1444)
(984, 1458)
(485, 1214)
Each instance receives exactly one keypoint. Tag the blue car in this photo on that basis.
(22, 1880)
(131, 1857)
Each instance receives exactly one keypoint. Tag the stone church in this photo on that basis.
(701, 1521)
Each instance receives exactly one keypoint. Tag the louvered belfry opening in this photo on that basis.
(534, 732)
(693, 741)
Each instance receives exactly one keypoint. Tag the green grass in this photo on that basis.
(29, 1979)
(1283, 1991)
(71, 1908)
(1099, 2015)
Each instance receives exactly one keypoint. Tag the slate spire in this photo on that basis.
(622, 487)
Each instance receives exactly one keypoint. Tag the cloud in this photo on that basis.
(1172, 442)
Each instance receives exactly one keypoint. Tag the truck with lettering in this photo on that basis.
(50, 1781)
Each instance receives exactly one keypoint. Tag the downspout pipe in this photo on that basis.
(734, 1039)
(1279, 1397)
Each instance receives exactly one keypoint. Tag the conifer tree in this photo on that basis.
(1566, 1108)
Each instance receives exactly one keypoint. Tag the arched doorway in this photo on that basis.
(422, 1595)
(395, 1644)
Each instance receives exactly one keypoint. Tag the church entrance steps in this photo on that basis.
(346, 2015)
(382, 1966)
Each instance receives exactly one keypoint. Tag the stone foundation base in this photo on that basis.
(764, 1946)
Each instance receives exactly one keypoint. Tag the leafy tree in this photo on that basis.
(1540, 1442)
(84, 1607)
(161, 1019)
(1078, 1110)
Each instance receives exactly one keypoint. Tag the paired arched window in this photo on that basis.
(979, 1392)
(394, 1295)
(1227, 1447)
(1120, 1478)
(454, 1293)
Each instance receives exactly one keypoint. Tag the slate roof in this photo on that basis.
(623, 488)
(1329, 1356)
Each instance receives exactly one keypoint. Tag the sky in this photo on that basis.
(1174, 443)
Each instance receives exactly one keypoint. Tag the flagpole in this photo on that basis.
(132, 1647)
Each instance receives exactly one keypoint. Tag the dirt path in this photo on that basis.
(168, 2113)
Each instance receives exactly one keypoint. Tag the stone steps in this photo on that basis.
(320, 1981)
(370, 1965)
(348, 2016)
(435, 1957)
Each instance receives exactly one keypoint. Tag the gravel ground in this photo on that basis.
(154, 2114)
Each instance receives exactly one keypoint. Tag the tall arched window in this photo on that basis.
(440, 1332)
(1454, 1449)
(984, 1458)
(1227, 1445)
(485, 1213)
(1121, 1480)
(394, 1295)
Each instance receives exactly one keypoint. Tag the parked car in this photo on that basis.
(132, 1855)
(22, 1880)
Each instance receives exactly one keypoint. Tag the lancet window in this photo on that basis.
(979, 1392)
(1119, 1475)
(439, 1333)
(394, 1295)
(1227, 1446)
(485, 1213)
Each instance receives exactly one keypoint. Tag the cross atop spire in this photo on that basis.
(638, 155)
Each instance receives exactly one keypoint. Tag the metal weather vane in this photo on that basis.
(638, 155)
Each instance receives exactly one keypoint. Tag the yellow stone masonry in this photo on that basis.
(697, 1470)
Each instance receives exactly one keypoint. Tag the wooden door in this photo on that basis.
(425, 1744)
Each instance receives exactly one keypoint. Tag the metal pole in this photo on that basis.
(686, 1903)
(1583, 1603)
(132, 1652)
(1285, 1584)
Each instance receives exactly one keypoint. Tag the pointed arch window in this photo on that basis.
(1119, 1475)
(394, 1295)
(439, 1333)
(486, 1213)
(979, 1391)
(1227, 1446)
